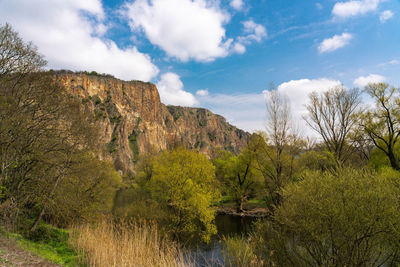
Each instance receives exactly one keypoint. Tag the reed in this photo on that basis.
(125, 244)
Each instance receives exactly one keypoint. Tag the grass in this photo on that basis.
(48, 242)
(110, 244)
(238, 252)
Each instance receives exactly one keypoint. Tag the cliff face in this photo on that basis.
(134, 121)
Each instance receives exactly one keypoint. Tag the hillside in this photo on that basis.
(133, 120)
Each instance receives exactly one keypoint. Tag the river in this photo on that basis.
(227, 225)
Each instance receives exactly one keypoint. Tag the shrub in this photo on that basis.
(347, 218)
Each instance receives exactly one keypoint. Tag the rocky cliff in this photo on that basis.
(133, 120)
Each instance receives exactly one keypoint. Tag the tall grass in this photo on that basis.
(110, 244)
(237, 251)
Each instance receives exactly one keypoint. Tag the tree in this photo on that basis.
(382, 123)
(238, 175)
(331, 114)
(183, 182)
(86, 192)
(16, 57)
(42, 127)
(347, 218)
(275, 150)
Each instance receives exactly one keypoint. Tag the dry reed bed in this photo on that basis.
(109, 244)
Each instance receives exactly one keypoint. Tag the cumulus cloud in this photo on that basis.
(184, 29)
(202, 92)
(247, 111)
(237, 4)
(386, 15)
(68, 33)
(252, 32)
(335, 42)
(298, 91)
(354, 8)
(363, 81)
(171, 91)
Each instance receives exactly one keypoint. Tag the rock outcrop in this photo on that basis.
(133, 120)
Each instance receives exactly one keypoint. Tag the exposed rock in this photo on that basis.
(133, 120)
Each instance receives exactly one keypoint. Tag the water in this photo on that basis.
(227, 225)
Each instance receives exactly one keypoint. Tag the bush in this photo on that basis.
(238, 252)
(347, 218)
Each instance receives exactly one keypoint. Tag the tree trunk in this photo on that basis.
(37, 221)
(39, 218)
(393, 161)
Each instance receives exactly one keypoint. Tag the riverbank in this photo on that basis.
(255, 209)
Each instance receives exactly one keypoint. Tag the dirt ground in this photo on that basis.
(12, 255)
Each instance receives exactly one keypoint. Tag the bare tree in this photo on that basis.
(382, 123)
(332, 115)
(277, 148)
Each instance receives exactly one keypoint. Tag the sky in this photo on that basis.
(222, 55)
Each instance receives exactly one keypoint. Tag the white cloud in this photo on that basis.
(239, 48)
(247, 111)
(386, 15)
(298, 93)
(202, 92)
(171, 91)
(334, 43)
(354, 8)
(68, 34)
(365, 80)
(237, 4)
(253, 32)
(394, 62)
(184, 29)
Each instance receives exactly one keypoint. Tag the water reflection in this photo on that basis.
(227, 225)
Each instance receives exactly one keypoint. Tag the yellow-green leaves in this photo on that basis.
(184, 182)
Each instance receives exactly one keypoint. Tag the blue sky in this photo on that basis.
(221, 55)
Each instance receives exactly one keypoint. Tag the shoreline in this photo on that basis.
(254, 212)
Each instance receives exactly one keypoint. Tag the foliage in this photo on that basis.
(237, 251)
(182, 182)
(86, 192)
(238, 175)
(348, 218)
(277, 164)
(317, 160)
(46, 135)
(382, 123)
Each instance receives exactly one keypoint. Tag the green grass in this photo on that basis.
(47, 242)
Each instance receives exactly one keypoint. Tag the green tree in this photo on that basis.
(348, 218)
(382, 123)
(238, 175)
(277, 164)
(184, 183)
(42, 130)
(86, 192)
